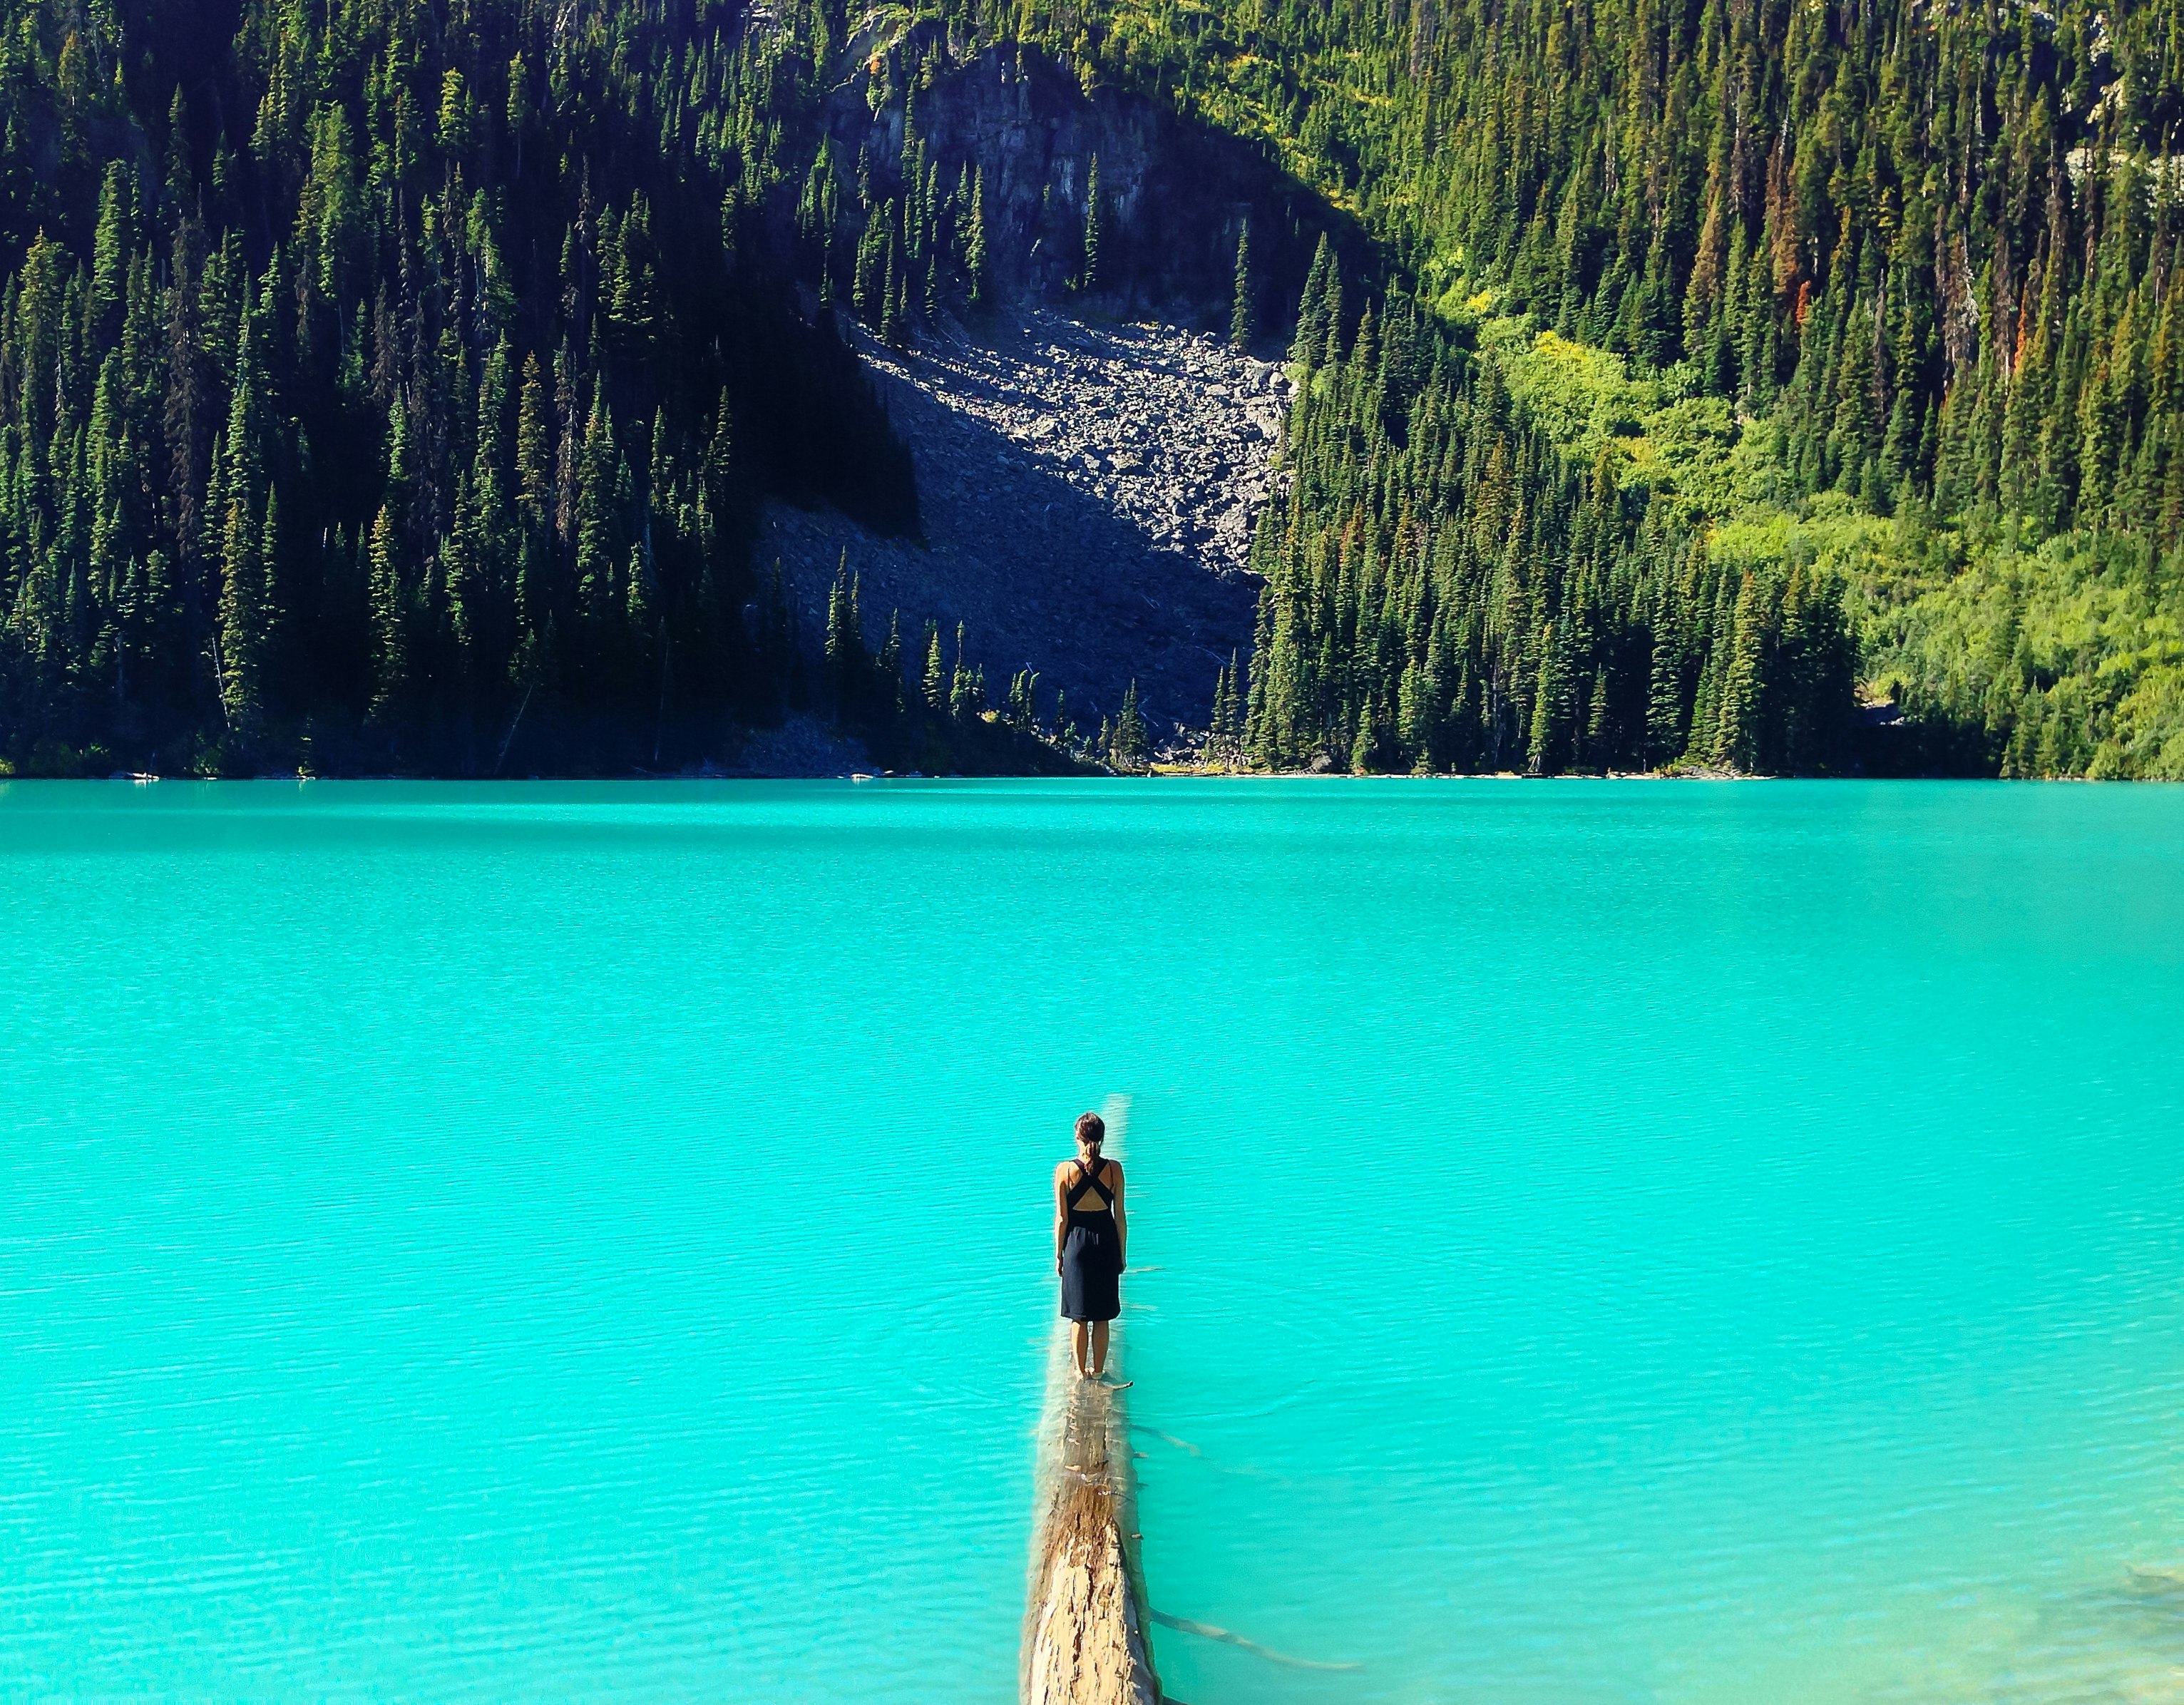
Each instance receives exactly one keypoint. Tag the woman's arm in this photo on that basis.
(1060, 1220)
(1122, 1221)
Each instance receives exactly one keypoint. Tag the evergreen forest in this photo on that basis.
(1787, 386)
(1776, 385)
(384, 382)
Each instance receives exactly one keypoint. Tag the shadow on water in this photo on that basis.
(1206, 1631)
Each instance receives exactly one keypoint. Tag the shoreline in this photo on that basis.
(1156, 773)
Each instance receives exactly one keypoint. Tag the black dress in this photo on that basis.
(1091, 1253)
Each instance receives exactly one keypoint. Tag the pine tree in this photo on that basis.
(844, 645)
(1738, 744)
(1128, 745)
(888, 669)
(110, 249)
(963, 696)
(1088, 278)
(180, 179)
(1544, 749)
(975, 271)
(1311, 312)
(1664, 731)
(936, 673)
(390, 673)
(894, 327)
(1240, 312)
(520, 112)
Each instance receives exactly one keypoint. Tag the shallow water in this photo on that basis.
(1592, 1241)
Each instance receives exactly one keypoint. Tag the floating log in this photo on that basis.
(1085, 1641)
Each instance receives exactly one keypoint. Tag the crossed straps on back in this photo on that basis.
(1089, 1179)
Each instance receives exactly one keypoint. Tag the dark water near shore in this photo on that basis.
(1594, 1241)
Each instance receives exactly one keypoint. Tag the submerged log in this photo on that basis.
(1085, 1641)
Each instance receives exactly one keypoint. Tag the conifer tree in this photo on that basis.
(974, 242)
(1311, 312)
(1127, 746)
(894, 327)
(1737, 744)
(845, 644)
(936, 671)
(1239, 311)
(889, 667)
(962, 695)
(1088, 278)
(389, 622)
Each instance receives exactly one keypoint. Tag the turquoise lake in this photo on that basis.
(1590, 1241)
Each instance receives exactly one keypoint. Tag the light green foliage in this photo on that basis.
(2068, 658)
(1794, 268)
(1489, 565)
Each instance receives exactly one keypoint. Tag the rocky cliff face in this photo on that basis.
(1174, 196)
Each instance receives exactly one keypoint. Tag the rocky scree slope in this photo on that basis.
(1087, 491)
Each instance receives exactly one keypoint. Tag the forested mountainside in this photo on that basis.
(1784, 319)
(367, 371)
(386, 384)
(383, 384)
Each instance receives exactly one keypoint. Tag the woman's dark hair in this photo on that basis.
(1091, 1129)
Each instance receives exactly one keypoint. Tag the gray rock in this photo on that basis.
(1071, 476)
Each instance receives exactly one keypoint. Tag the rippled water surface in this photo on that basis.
(1592, 1242)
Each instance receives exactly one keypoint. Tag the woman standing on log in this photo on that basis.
(1089, 1236)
